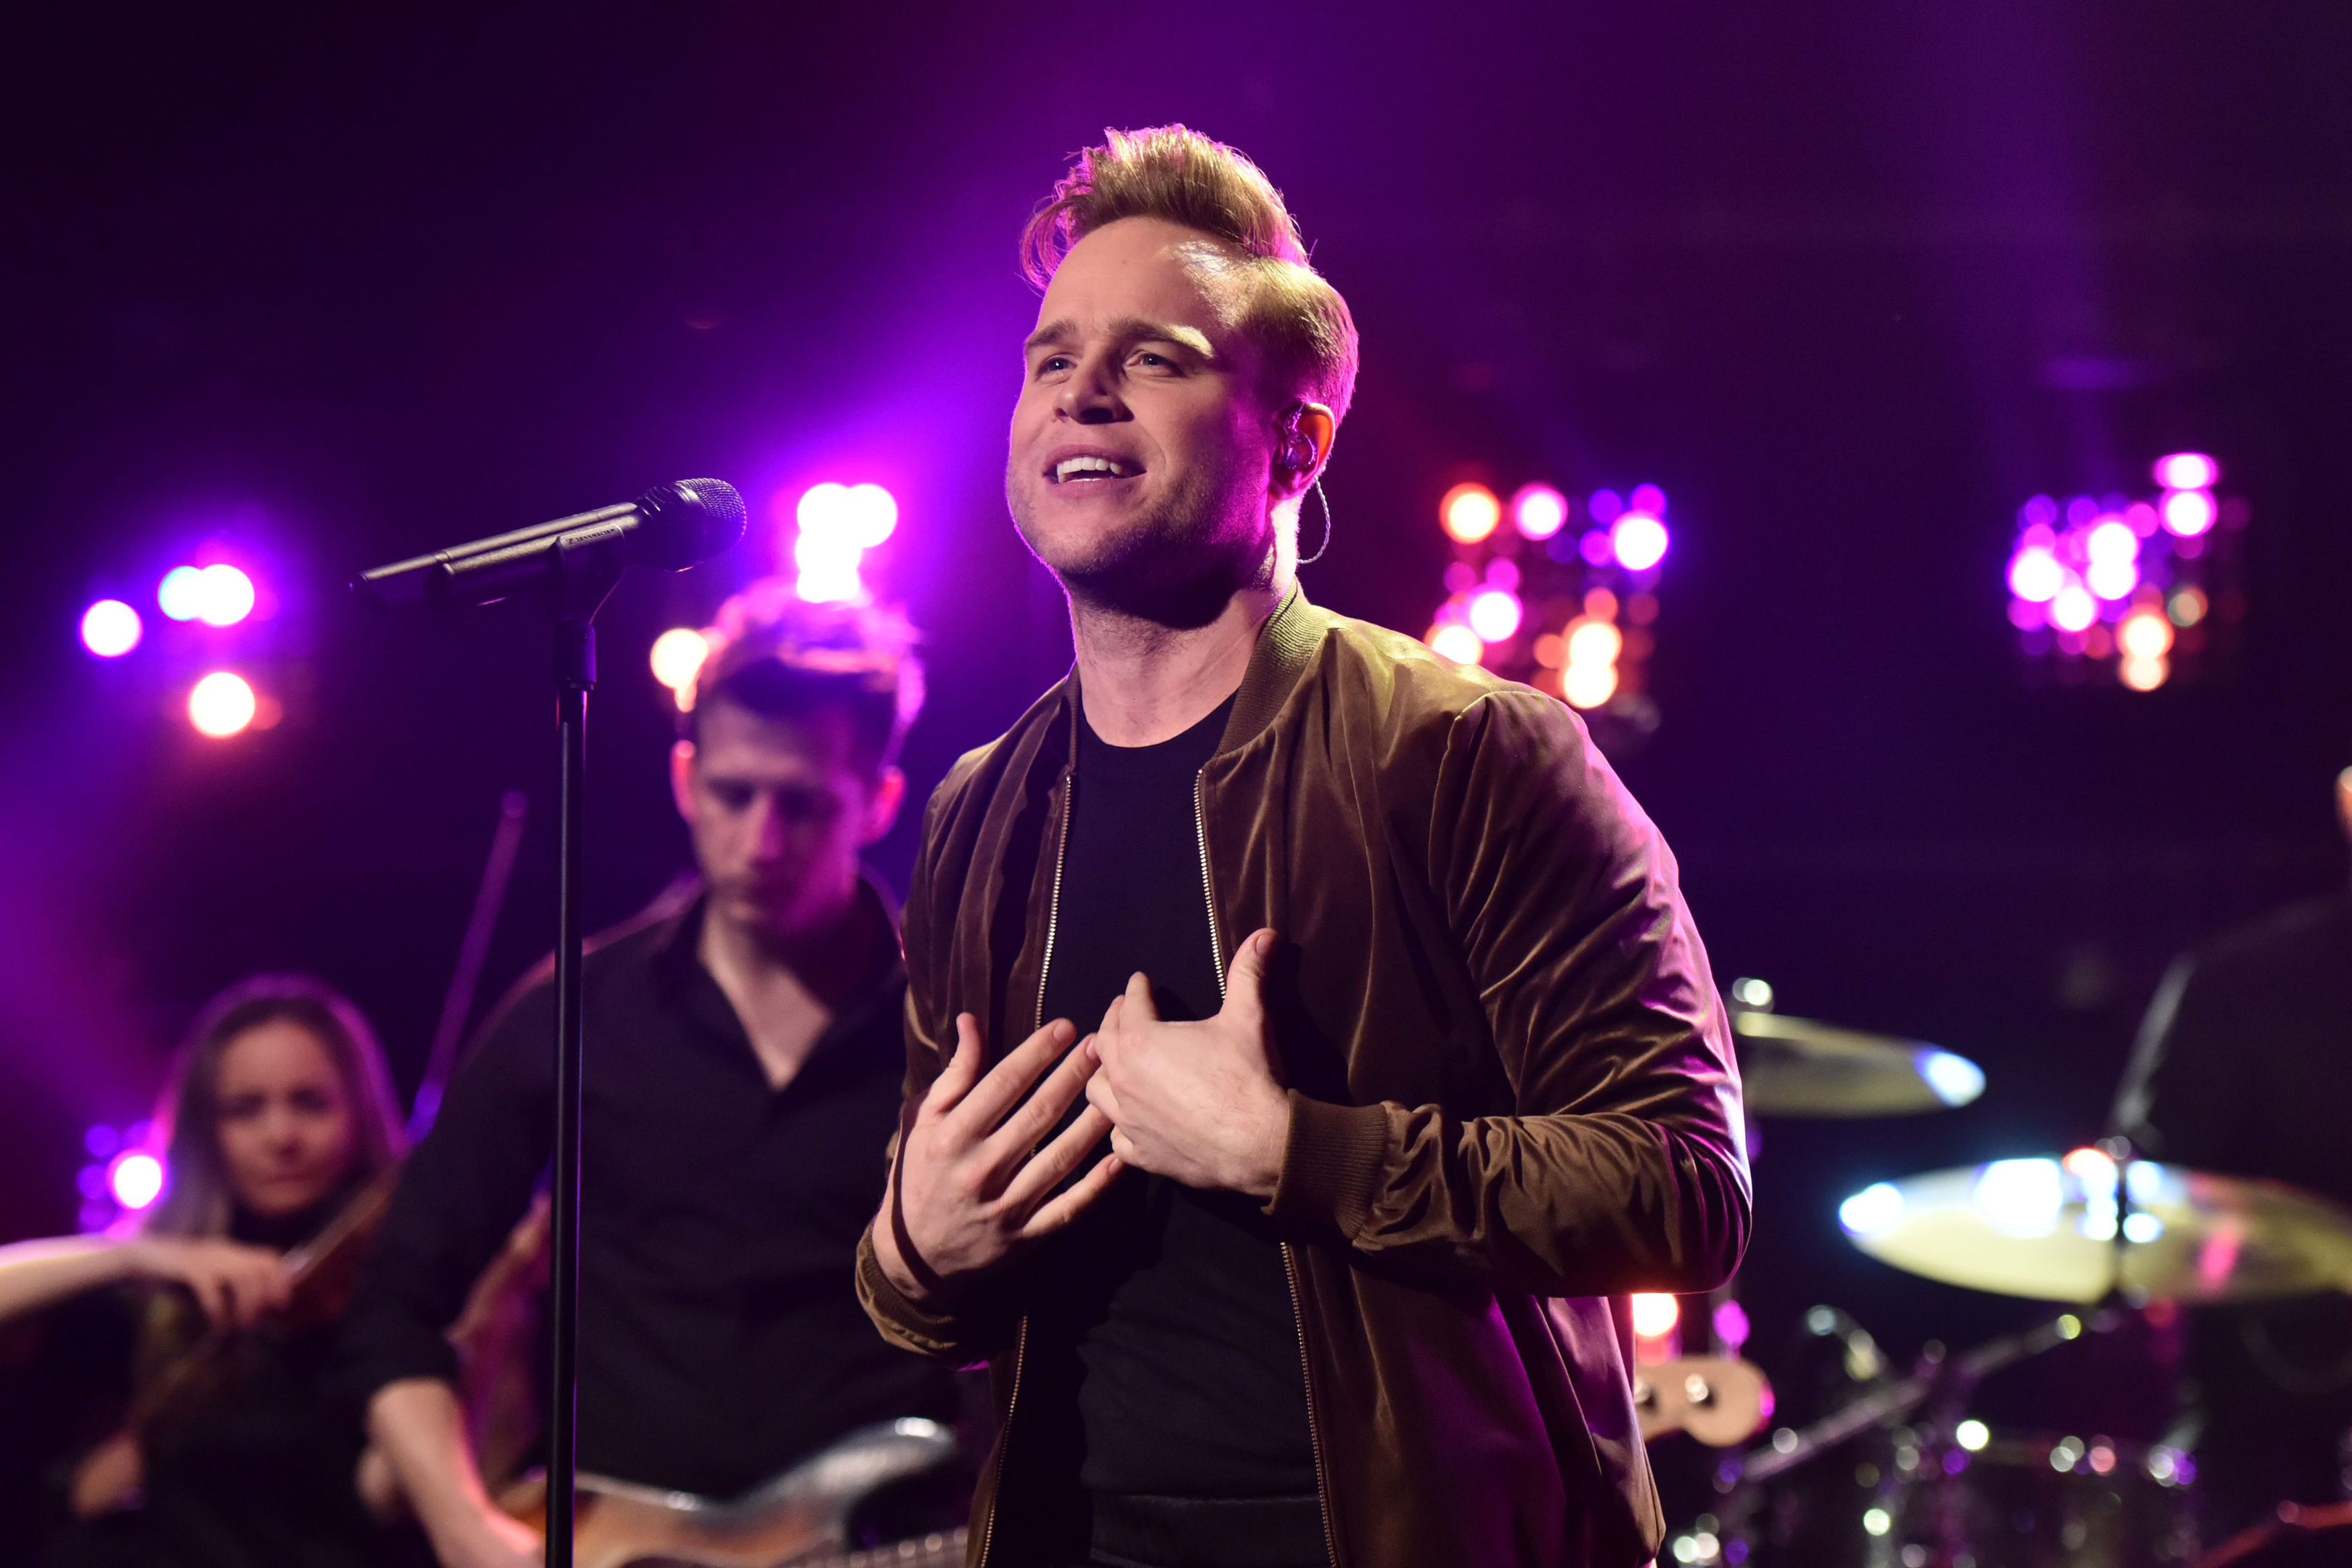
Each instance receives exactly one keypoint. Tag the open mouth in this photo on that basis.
(1092, 469)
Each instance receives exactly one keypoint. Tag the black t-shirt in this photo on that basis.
(1172, 1305)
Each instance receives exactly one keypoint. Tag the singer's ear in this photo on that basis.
(882, 807)
(681, 779)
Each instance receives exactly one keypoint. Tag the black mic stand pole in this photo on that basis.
(581, 582)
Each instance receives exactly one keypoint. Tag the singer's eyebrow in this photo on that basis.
(1126, 330)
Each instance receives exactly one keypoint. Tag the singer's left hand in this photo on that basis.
(1199, 1103)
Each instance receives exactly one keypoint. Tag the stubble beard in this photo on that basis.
(1178, 565)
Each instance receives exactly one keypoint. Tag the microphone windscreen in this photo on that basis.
(687, 522)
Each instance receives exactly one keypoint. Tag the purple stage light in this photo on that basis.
(2187, 472)
(1460, 577)
(1605, 506)
(103, 1142)
(2038, 511)
(1595, 547)
(135, 1178)
(1649, 498)
(1539, 511)
(1494, 614)
(1638, 540)
(111, 628)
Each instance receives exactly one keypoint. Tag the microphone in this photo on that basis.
(670, 527)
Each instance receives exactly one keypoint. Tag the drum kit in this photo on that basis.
(2096, 1230)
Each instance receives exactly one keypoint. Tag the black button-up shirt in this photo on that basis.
(720, 1338)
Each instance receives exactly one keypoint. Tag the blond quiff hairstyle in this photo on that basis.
(1181, 176)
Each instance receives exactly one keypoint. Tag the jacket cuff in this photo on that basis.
(902, 1323)
(1330, 1163)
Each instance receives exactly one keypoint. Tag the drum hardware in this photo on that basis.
(1797, 1067)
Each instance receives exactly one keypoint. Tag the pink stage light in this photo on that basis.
(1595, 547)
(111, 628)
(2187, 472)
(135, 1178)
(1649, 498)
(1639, 541)
(1539, 511)
(1494, 614)
(2034, 574)
(1503, 571)
(2189, 514)
(221, 705)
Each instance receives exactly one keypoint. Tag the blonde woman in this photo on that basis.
(279, 1114)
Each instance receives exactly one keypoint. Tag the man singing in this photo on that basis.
(741, 1084)
(1376, 979)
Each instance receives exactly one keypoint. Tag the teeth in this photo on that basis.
(1069, 466)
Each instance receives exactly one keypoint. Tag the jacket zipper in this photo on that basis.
(1020, 1358)
(1045, 966)
(1314, 1435)
(1289, 1261)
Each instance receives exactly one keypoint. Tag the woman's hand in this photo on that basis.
(234, 1283)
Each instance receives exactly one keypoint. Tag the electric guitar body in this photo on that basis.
(799, 1520)
(1718, 1400)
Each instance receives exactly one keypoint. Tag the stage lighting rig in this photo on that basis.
(1569, 610)
(2144, 589)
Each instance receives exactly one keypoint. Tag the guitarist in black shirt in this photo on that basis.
(742, 1080)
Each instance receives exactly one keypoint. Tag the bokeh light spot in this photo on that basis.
(2072, 608)
(1539, 511)
(2143, 674)
(181, 593)
(2145, 634)
(2034, 574)
(1588, 685)
(135, 1178)
(2189, 513)
(1494, 614)
(111, 628)
(1469, 512)
(2187, 472)
(1458, 642)
(1638, 540)
(224, 596)
(221, 704)
(676, 658)
(1655, 1314)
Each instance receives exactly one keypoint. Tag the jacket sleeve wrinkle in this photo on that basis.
(1621, 1165)
(975, 1330)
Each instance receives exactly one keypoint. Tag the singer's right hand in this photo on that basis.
(973, 1185)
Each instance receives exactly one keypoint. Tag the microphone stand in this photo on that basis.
(580, 582)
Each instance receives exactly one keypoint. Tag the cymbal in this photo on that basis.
(2048, 1228)
(1795, 1067)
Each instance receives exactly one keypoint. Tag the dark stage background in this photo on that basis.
(1849, 279)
